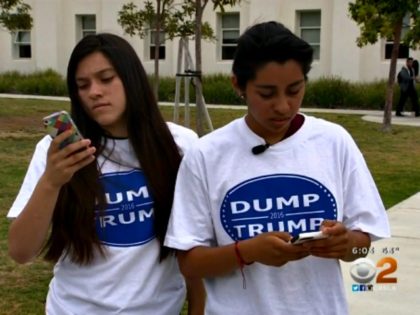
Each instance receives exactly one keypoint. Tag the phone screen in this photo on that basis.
(305, 237)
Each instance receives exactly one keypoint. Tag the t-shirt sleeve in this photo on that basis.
(190, 224)
(185, 138)
(363, 206)
(35, 170)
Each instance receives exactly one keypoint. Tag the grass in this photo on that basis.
(393, 159)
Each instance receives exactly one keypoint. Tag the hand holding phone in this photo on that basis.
(59, 122)
(307, 237)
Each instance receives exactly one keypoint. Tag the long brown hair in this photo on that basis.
(73, 224)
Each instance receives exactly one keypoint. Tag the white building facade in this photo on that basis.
(325, 24)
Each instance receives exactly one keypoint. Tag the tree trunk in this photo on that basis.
(202, 113)
(198, 67)
(157, 46)
(386, 126)
(178, 80)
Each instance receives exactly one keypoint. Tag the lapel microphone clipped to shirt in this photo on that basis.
(295, 125)
(260, 148)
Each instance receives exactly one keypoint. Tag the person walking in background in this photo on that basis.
(407, 81)
(245, 189)
(106, 198)
(416, 69)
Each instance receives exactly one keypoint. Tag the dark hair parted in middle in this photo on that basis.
(149, 135)
(267, 42)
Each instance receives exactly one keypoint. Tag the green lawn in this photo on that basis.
(394, 159)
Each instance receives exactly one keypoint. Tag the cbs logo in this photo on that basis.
(363, 270)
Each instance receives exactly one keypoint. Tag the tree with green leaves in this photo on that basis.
(384, 19)
(163, 16)
(176, 19)
(135, 21)
(14, 15)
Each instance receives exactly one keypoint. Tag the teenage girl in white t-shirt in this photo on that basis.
(99, 207)
(245, 189)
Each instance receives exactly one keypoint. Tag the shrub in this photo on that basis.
(167, 86)
(166, 89)
(47, 82)
(326, 92)
(8, 81)
(218, 89)
(369, 95)
(333, 92)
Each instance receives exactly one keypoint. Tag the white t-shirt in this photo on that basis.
(226, 193)
(130, 280)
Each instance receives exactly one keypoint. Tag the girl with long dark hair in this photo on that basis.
(98, 208)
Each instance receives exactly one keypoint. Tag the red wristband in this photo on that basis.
(241, 263)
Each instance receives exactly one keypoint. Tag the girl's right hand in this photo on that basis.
(273, 249)
(63, 163)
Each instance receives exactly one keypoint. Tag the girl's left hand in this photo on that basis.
(340, 244)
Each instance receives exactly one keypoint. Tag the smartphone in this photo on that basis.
(306, 237)
(59, 122)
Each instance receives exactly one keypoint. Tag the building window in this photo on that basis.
(152, 45)
(86, 25)
(403, 51)
(229, 34)
(310, 29)
(22, 44)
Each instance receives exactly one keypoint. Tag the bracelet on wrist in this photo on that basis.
(241, 262)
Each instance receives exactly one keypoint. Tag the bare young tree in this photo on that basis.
(176, 19)
(200, 6)
(135, 21)
(172, 18)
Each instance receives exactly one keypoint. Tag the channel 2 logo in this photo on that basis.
(364, 271)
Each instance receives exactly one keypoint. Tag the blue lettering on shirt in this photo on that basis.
(128, 218)
(279, 202)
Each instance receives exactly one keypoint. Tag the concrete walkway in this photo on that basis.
(368, 115)
(408, 120)
(403, 248)
(402, 297)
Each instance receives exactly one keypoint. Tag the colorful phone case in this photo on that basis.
(59, 122)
